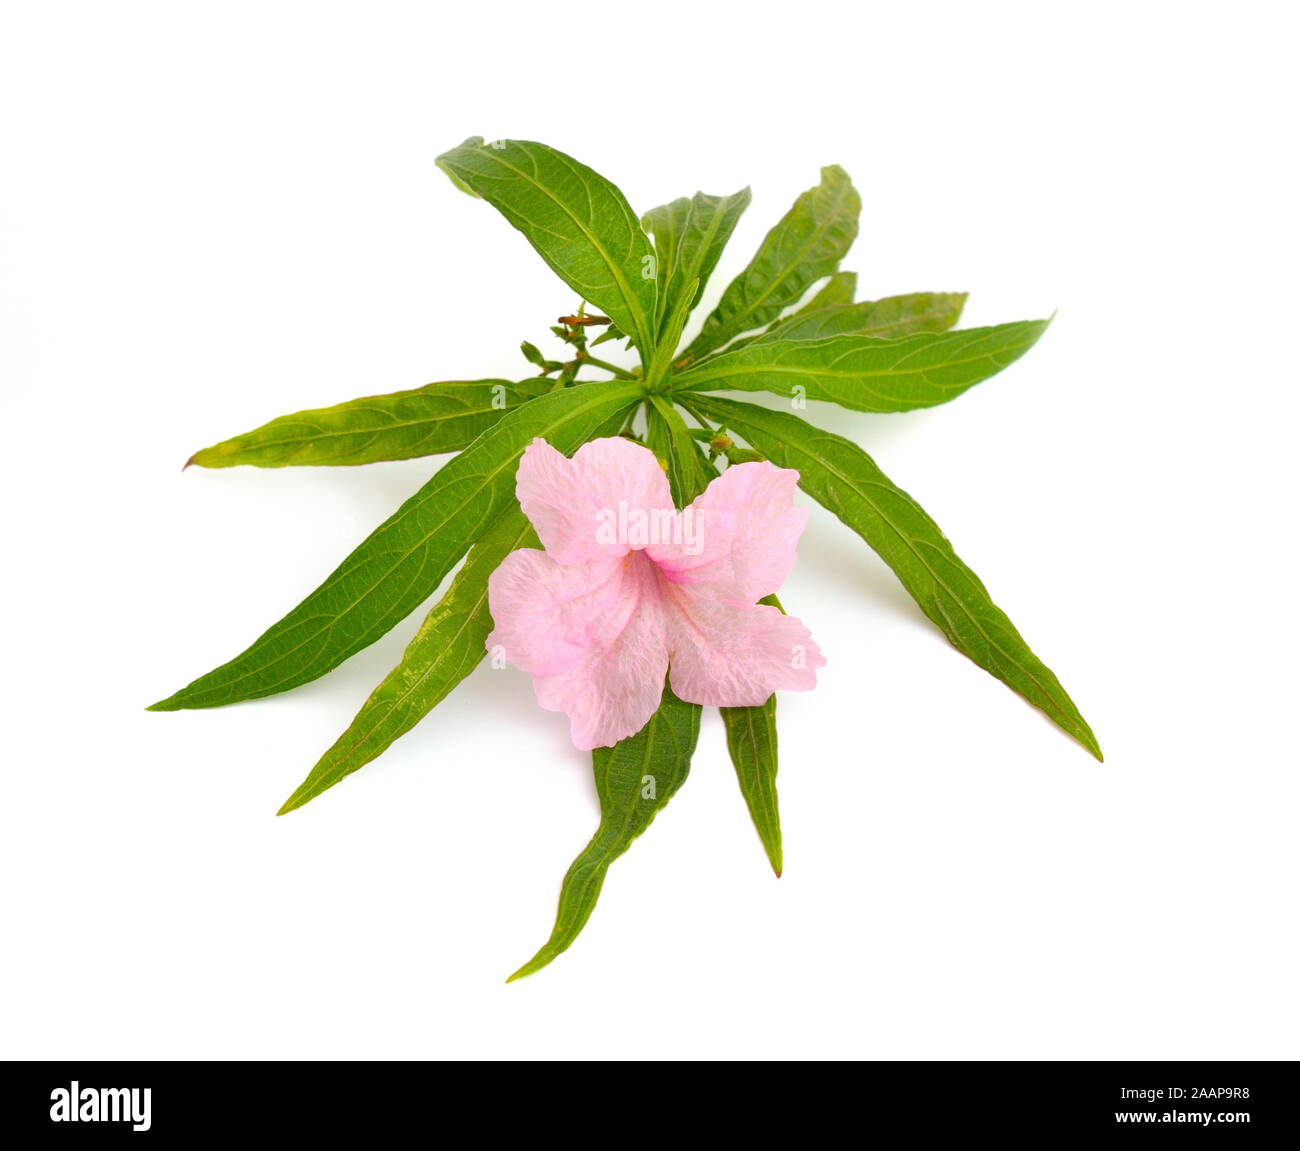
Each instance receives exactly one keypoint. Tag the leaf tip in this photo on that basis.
(443, 162)
(1083, 735)
(304, 795)
(216, 456)
(774, 856)
(538, 961)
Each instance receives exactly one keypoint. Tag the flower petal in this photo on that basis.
(724, 653)
(591, 635)
(601, 503)
(739, 535)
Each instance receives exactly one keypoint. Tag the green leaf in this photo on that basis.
(403, 560)
(689, 473)
(806, 245)
(890, 318)
(839, 289)
(842, 477)
(448, 646)
(421, 422)
(634, 780)
(689, 236)
(865, 372)
(579, 222)
(751, 740)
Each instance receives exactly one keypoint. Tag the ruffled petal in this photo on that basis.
(611, 498)
(723, 653)
(739, 536)
(591, 635)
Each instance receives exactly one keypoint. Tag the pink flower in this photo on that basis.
(629, 589)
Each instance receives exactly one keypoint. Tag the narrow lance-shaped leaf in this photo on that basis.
(444, 417)
(403, 560)
(751, 741)
(635, 779)
(841, 476)
(890, 318)
(689, 236)
(448, 646)
(579, 222)
(806, 245)
(865, 372)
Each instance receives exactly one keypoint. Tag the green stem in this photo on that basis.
(620, 373)
(685, 405)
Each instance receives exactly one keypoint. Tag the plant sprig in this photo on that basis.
(770, 331)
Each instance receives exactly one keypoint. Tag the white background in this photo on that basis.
(212, 215)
